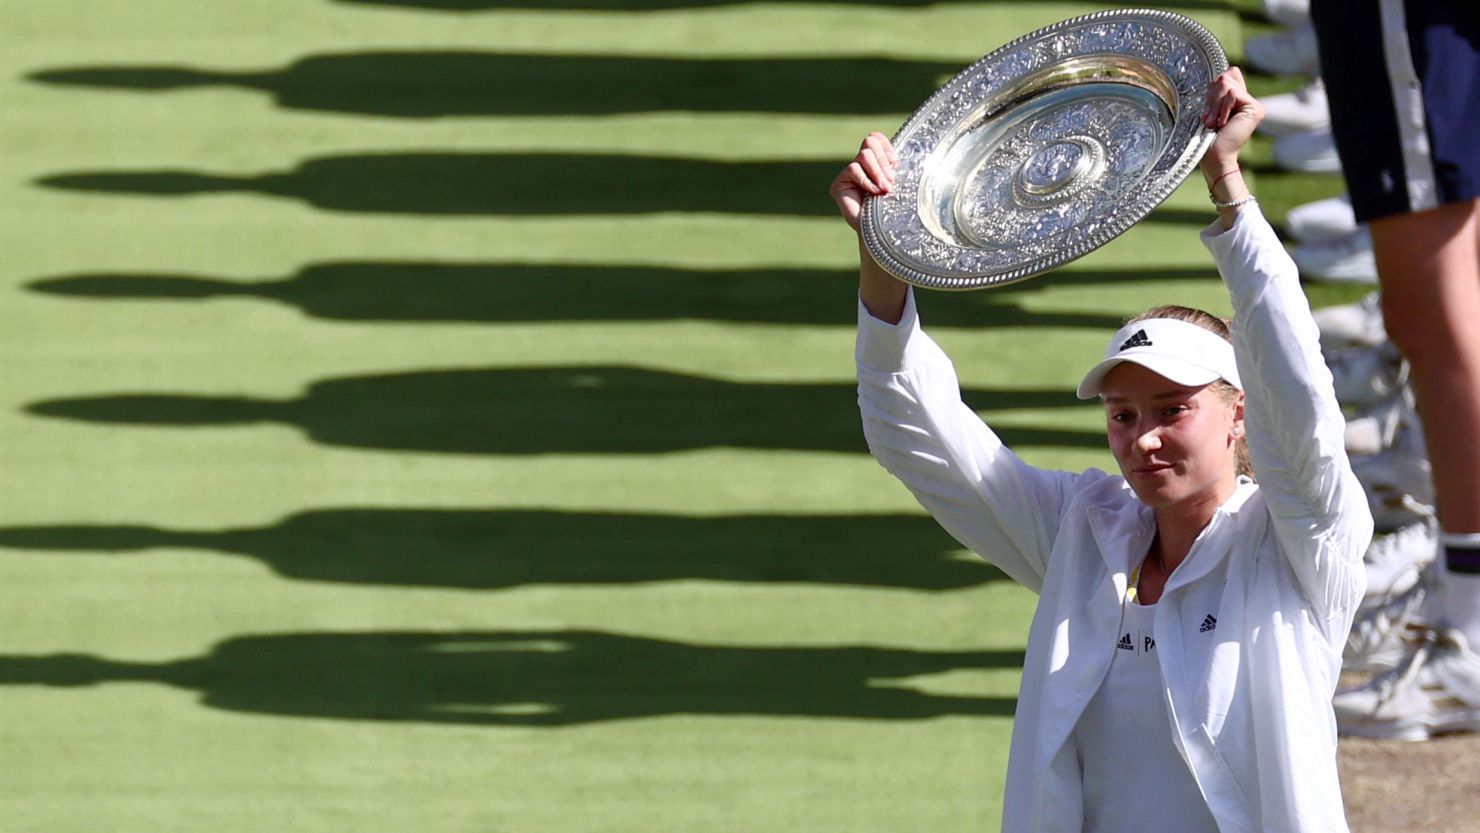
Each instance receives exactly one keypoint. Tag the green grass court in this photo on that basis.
(437, 415)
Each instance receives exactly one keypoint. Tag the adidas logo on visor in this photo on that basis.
(1209, 622)
(1140, 339)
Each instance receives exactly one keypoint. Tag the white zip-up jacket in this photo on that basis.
(1250, 627)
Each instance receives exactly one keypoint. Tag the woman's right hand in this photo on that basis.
(870, 174)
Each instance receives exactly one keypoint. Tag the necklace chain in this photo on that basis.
(1133, 591)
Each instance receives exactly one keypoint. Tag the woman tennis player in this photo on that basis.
(1192, 610)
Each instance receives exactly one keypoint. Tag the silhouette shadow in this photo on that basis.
(659, 5)
(508, 292)
(505, 184)
(601, 5)
(438, 84)
(518, 184)
(488, 550)
(537, 678)
(584, 409)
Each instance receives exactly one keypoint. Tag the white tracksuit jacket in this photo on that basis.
(1250, 628)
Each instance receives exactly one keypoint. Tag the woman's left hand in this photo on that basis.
(1234, 114)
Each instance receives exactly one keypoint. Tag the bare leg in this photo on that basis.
(1429, 266)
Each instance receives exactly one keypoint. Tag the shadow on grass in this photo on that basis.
(508, 184)
(515, 292)
(580, 409)
(660, 5)
(518, 184)
(437, 84)
(490, 550)
(538, 678)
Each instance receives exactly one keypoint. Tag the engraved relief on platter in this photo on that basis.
(1065, 167)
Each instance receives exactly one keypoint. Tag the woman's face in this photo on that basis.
(1174, 443)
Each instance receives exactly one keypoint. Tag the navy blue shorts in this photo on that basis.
(1403, 80)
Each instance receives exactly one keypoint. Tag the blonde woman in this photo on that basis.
(1190, 621)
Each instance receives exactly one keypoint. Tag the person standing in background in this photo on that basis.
(1403, 87)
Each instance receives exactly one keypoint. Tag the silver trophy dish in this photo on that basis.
(1045, 149)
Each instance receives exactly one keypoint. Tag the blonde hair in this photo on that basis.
(1228, 393)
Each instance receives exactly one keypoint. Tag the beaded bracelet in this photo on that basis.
(1232, 203)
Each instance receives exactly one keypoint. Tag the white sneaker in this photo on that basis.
(1376, 641)
(1399, 486)
(1395, 562)
(1395, 509)
(1291, 52)
(1384, 425)
(1309, 151)
(1293, 112)
(1358, 324)
(1339, 260)
(1287, 12)
(1435, 690)
(1366, 376)
(1322, 219)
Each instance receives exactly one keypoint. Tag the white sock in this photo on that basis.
(1459, 583)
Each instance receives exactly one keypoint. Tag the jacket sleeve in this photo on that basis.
(920, 431)
(1292, 422)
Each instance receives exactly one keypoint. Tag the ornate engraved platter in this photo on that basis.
(1045, 149)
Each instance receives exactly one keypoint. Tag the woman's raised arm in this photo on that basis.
(871, 173)
(1292, 422)
(1234, 114)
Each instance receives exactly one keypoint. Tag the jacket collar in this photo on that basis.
(1213, 543)
(1124, 531)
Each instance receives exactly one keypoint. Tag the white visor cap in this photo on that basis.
(1184, 353)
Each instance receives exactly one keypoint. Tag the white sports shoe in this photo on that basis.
(1358, 324)
(1435, 690)
(1309, 151)
(1291, 52)
(1322, 219)
(1366, 376)
(1346, 259)
(1287, 12)
(1395, 562)
(1384, 425)
(1293, 112)
(1376, 641)
(1399, 486)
